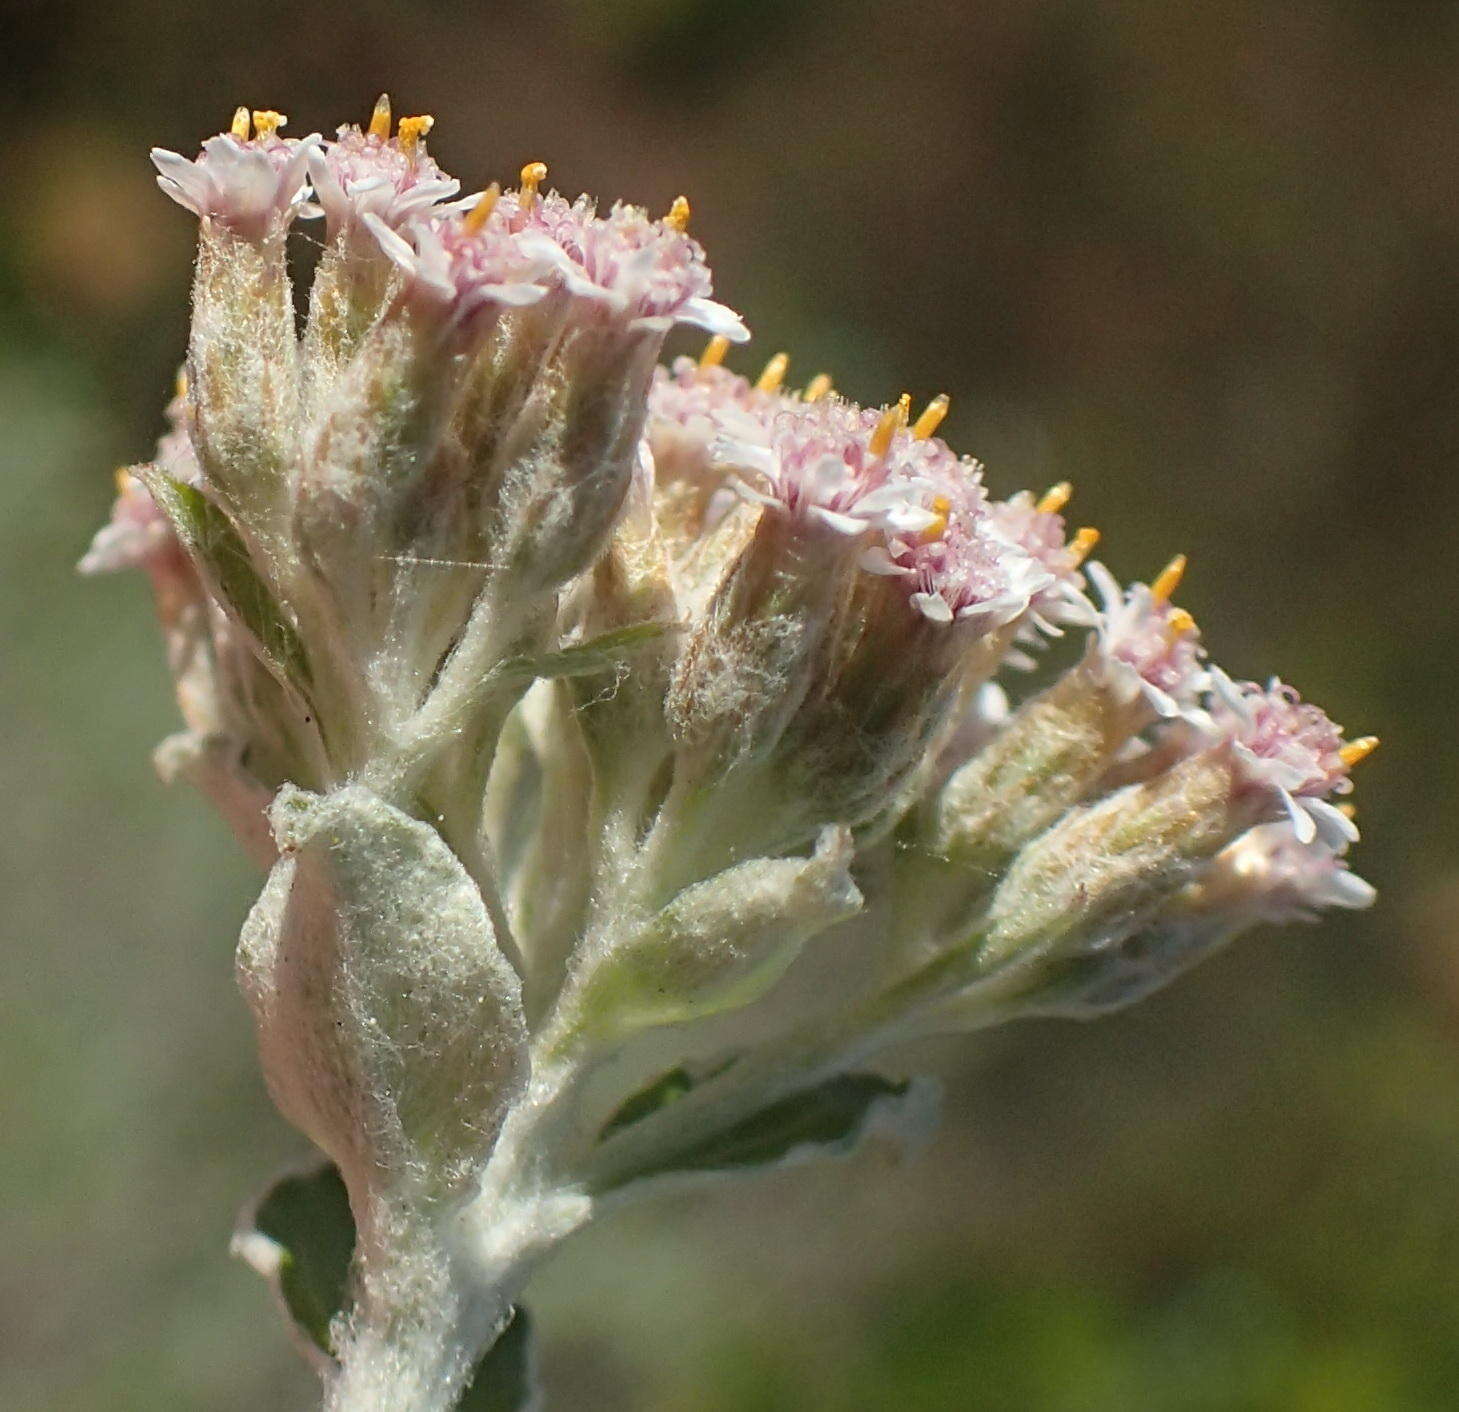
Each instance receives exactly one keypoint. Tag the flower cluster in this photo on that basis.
(630, 747)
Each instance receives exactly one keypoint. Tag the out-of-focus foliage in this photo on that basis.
(1201, 261)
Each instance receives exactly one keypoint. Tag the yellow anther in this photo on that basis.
(412, 130)
(773, 374)
(1055, 498)
(1348, 811)
(240, 124)
(533, 175)
(816, 388)
(678, 217)
(931, 418)
(121, 476)
(1082, 545)
(266, 122)
(1168, 579)
(480, 213)
(892, 421)
(714, 351)
(1356, 751)
(1178, 624)
(380, 118)
(941, 507)
(179, 385)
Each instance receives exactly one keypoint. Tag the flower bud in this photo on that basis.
(718, 945)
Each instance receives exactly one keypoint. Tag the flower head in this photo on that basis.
(368, 172)
(1153, 645)
(458, 268)
(138, 534)
(1038, 528)
(651, 273)
(1289, 747)
(825, 464)
(251, 184)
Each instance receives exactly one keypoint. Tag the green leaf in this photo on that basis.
(827, 1120)
(598, 654)
(218, 550)
(308, 1218)
(667, 1088)
(302, 1235)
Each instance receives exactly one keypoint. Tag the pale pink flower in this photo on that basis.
(1149, 644)
(362, 173)
(1289, 746)
(251, 185)
(460, 269)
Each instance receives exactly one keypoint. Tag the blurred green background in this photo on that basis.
(1200, 260)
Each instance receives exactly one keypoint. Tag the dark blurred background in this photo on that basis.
(1200, 260)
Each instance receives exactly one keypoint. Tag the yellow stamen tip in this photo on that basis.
(480, 213)
(1055, 498)
(1179, 623)
(678, 217)
(1168, 579)
(412, 130)
(774, 374)
(121, 476)
(179, 385)
(1082, 545)
(817, 388)
(892, 421)
(714, 351)
(380, 118)
(240, 126)
(533, 175)
(941, 507)
(931, 418)
(1356, 751)
(266, 122)
(1348, 811)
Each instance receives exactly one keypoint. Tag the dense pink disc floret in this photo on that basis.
(815, 462)
(1156, 644)
(246, 184)
(646, 271)
(689, 409)
(459, 269)
(363, 173)
(702, 401)
(1041, 534)
(967, 571)
(1286, 745)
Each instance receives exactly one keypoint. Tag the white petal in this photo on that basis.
(1303, 824)
(842, 524)
(714, 318)
(932, 606)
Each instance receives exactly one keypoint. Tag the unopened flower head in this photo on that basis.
(634, 750)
